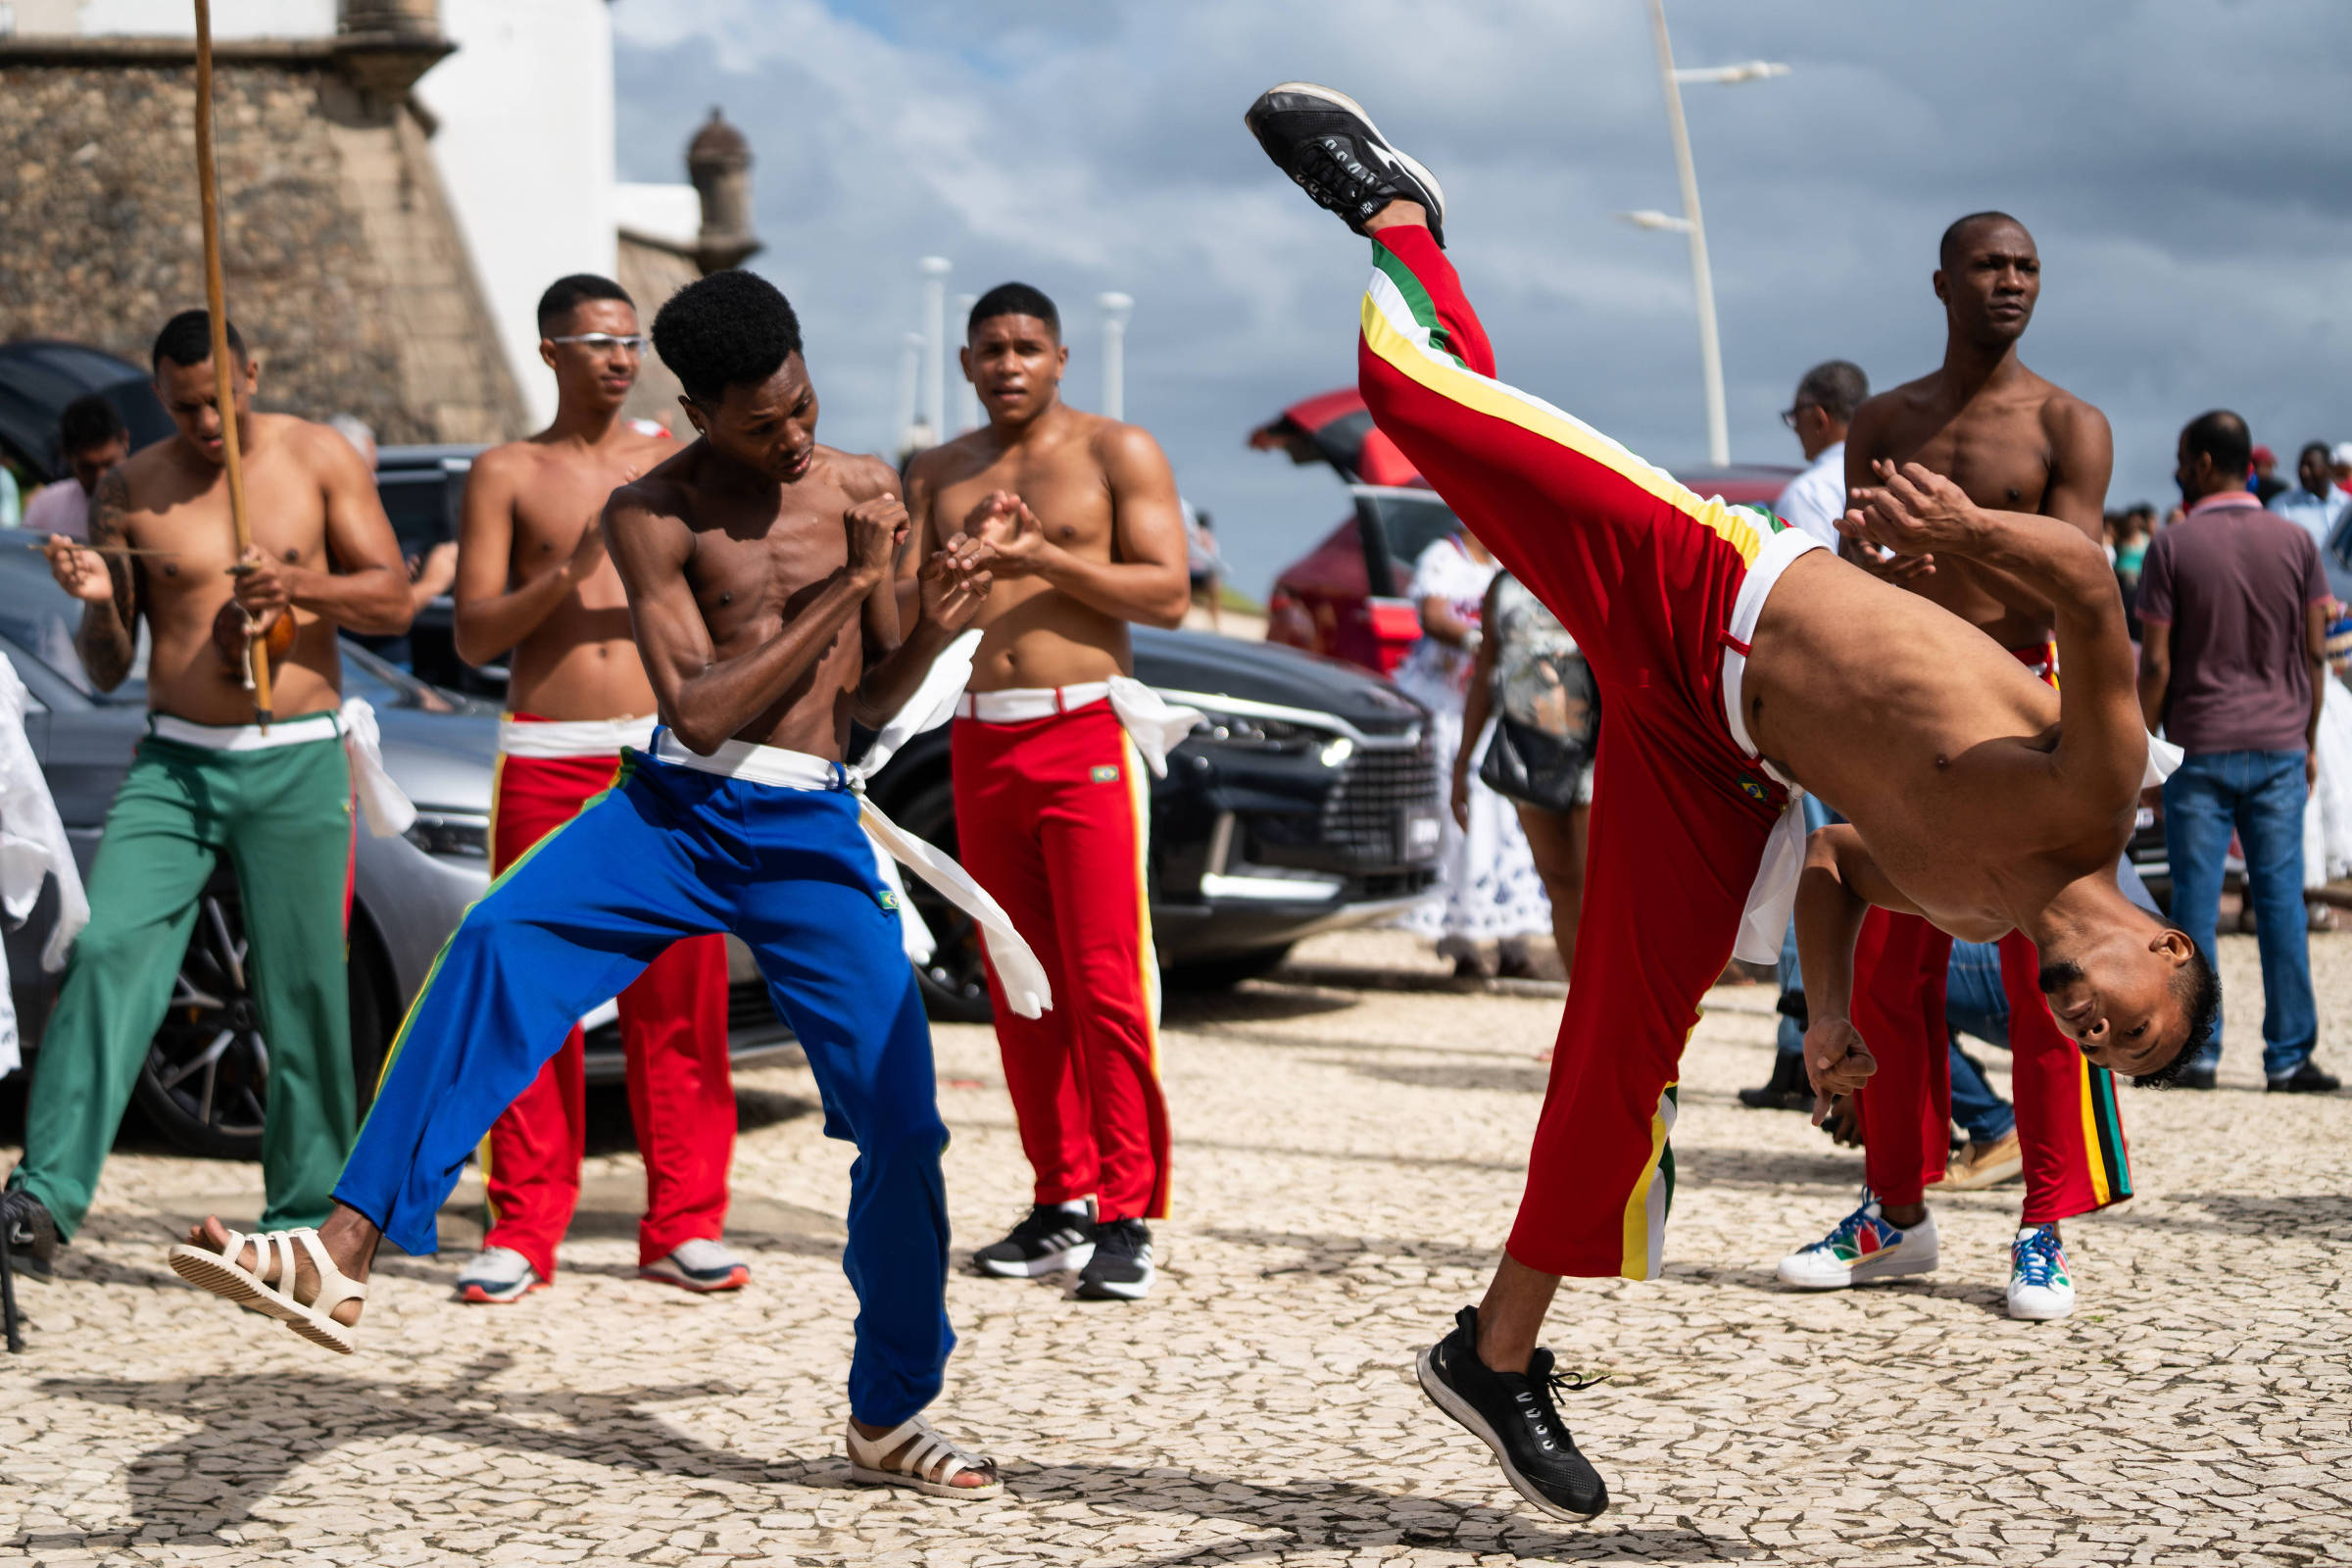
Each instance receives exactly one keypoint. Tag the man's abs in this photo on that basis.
(1034, 635)
(580, 663)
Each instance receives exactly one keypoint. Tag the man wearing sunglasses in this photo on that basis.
(1824, 406)
(535, 587)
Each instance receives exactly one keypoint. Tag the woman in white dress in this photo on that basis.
(1487, 887)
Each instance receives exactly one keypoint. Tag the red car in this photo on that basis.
(1345, 596)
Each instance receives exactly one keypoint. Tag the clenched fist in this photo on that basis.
(1836, 1060)
(877, 529)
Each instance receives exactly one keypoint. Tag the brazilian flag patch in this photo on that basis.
(1107, 774)
(888, 900)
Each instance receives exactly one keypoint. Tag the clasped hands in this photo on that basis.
(949, 590)
(1836, 1061)
(1912, 512)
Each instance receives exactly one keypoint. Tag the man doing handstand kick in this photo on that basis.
(1740, 658)
(759, 567)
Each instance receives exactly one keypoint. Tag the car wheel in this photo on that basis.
(1226, 971)
(955, 982)
(206, 1081)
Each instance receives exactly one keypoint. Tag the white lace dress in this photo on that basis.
(1487, 886)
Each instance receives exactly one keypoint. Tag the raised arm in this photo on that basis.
(1839, 885)
(495, 613)
(1144, 581)
(706, 700)
(2103, 742)
(365, 586)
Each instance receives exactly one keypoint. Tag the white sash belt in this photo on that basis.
(1155, 724)
(557, 738)
(388, 812)
(1024, 980)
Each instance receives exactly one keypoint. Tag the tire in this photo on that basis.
(1225, 972)
(205, 1082)
(955, 982)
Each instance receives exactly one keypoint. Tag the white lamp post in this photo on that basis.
(1702, 279)
(967, 397)
(909, 390)
(935, 269)
(1116, 308)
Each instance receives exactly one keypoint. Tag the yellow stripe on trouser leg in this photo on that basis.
(2094, 1160)
(1403, 343)
(1652, 1194)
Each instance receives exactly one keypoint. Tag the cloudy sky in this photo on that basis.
(2184, 165)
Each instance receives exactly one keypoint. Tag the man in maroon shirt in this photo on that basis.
(2233, 606)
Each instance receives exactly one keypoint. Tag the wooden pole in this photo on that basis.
(223, 371)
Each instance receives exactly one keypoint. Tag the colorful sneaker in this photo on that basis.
(1050, 1239)
(2039, 1288)
(700, 1264)
(1861, 1249)
(497, 1276)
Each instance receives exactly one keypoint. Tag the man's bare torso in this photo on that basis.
(580, 663)
(1936, 742)
(1033, 633)
(166, 500)
(756, 560)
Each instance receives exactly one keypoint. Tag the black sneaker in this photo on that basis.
(1326, 142)
(1513, 1414)
(1121, 1268)
(2192, 1078)
(1787, 1090)
(2307, 1079)
(31, 1234)
(1052, 1238)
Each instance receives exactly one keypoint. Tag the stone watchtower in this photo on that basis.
(719, 161)
(657, 259)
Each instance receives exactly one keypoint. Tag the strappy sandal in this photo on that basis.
(222, 1274)
(925, 1447)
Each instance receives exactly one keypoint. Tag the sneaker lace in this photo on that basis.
(1847, 1228)
(2037, 1258)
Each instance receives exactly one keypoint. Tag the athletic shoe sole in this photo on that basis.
(2033, 1314)
(1465, 1415)
(1340, 100)
(1117, 1290)
(1892, 1265)
(735, 1279)
(499, 1296)
(1061, 1262)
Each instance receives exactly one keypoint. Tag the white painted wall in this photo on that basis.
(671, 213)
(232, 18)
(525, 150)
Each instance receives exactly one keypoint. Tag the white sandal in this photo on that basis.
(222, 1274)
(925, 1447)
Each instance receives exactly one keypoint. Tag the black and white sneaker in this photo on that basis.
(1326, 142)
(1052, 1238)
(31, 1234)
(1121, 1268)
(1513, 1414)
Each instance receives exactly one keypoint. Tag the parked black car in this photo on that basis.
(40, 377)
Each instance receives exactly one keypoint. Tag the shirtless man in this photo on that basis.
(759, 571)
(206, 782)
(2012, 441)
(536, 586)
(1735, 656)
(1076, 517)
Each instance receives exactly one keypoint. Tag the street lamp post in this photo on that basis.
(1116, 308)
(967, 397)
(935, 270)
(1703, 277)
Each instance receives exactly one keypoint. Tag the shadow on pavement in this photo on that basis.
(212, 1479)
(1262, 1003)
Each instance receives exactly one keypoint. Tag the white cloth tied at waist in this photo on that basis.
(387, 811)
(1773, 898)
(32, 849)
(1024, 980)
(1156, 726)
(553, 739)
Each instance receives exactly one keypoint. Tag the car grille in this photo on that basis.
(1363, 816)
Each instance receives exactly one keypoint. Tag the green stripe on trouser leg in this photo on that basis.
(282, 817)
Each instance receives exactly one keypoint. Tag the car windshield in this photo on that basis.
(1410, 521)
(37, 617)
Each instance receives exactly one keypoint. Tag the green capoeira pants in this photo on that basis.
(282, 815)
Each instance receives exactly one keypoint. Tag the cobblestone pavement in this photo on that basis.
(1349, 1163)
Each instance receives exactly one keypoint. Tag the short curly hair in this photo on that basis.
(2199, 990)
(731, 328)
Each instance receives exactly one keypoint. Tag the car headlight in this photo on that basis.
(456, 835)
(1249, 733)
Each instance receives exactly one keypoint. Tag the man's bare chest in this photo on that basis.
(1071, 502)
(2001, 458)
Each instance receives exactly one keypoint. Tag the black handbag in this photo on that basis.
(1532, 767)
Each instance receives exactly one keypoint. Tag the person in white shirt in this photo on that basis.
(1825, 404)
(92, 438)
(2316, 504)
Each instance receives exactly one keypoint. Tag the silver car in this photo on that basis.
(207, 1074)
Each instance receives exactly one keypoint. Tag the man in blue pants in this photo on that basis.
(764, 603)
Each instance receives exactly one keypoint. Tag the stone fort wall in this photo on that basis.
(345, 270)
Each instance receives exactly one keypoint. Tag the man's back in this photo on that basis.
(2233, 582)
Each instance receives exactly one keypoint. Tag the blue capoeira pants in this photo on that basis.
(667, 853)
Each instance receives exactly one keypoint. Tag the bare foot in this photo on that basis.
(266, 1265)
(980, 1472)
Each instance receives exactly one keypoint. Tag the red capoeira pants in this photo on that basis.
(1052, 817)
(673, 1031)
(1645, 576)
(2069, 1127)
